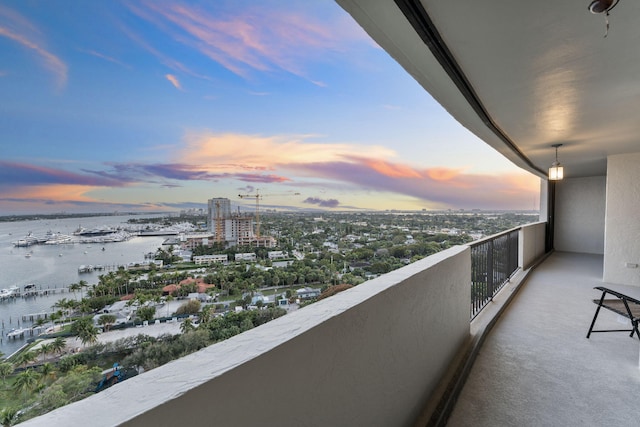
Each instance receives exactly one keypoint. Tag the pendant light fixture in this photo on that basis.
(556, 171)
(603, 6)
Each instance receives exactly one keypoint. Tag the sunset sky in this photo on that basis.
(161, 105)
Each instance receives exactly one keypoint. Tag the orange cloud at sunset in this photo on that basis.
(52, 192)
(174, 80)
(392, 170)
(345, 165)
(443, 174)
(251, 152)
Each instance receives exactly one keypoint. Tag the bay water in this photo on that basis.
(55, 267)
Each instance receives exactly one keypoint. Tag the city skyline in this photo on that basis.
(152, 106)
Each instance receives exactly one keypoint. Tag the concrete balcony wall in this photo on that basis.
(622, 246)
(531, 244)
(580, 215)
(369, 356)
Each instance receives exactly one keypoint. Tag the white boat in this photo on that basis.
(58, 238)
(26, 241)
(8, 293)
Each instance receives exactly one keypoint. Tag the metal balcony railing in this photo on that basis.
(493, 262)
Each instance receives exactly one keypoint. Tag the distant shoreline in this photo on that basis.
(35, 217)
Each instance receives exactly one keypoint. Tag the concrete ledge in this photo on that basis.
(368, 356)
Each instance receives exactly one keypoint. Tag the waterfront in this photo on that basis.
(56, 266)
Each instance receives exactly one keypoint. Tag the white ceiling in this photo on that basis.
(542, 69)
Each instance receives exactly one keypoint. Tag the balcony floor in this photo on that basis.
(536, 367)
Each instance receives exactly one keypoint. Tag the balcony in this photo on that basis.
(374, 355)
(399, 350)
(537, 368)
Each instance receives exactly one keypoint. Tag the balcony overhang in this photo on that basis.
(522, 76)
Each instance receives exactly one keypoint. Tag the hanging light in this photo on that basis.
(556, 171)
(602, 6)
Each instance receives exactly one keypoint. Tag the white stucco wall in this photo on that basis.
(531, 243)
(580, 215)
(369, 356)
(622, 241)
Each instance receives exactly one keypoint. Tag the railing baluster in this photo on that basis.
(493, 261)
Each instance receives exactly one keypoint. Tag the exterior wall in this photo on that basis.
(622, 243)
(210, 259)
(369, 356)
(580, 215)
(277, 255)
(249, 256)
(531, 243)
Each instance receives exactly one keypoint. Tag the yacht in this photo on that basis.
(57, 239)
(28, 240)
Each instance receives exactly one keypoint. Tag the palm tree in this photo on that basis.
(6, 369)
(39, 322)
(167, 300)
(25, 358)
(75, 287)
(205, 315)
(26, 381)
(44, 350)
(83, 284)
(48, 372)
(187, 326)
(85, 330)
(8, 416)
(58, 344)
(54, 317)
(107, 320)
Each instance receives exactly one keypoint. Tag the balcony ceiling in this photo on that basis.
(542, 72)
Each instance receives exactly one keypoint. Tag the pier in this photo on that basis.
(31, 293)
(35, 316)
(17, 333)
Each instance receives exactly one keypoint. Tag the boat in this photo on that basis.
(9, 293)
(29, 289)
(94, 232)
(26, 241)
(57, 239)
(27, 255)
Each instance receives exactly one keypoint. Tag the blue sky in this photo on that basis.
(160, 105)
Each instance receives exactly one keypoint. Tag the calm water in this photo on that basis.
(56, 266)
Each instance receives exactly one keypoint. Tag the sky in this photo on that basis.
(160, 105)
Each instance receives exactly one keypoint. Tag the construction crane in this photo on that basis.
(258, 196)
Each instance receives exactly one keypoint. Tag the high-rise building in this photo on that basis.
(219, 213)
(233, 229)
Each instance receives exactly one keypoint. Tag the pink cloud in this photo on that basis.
(174, 81)
(103, 56)
(258, 39)
(344, 164)
(510, 191)
(21, 31)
